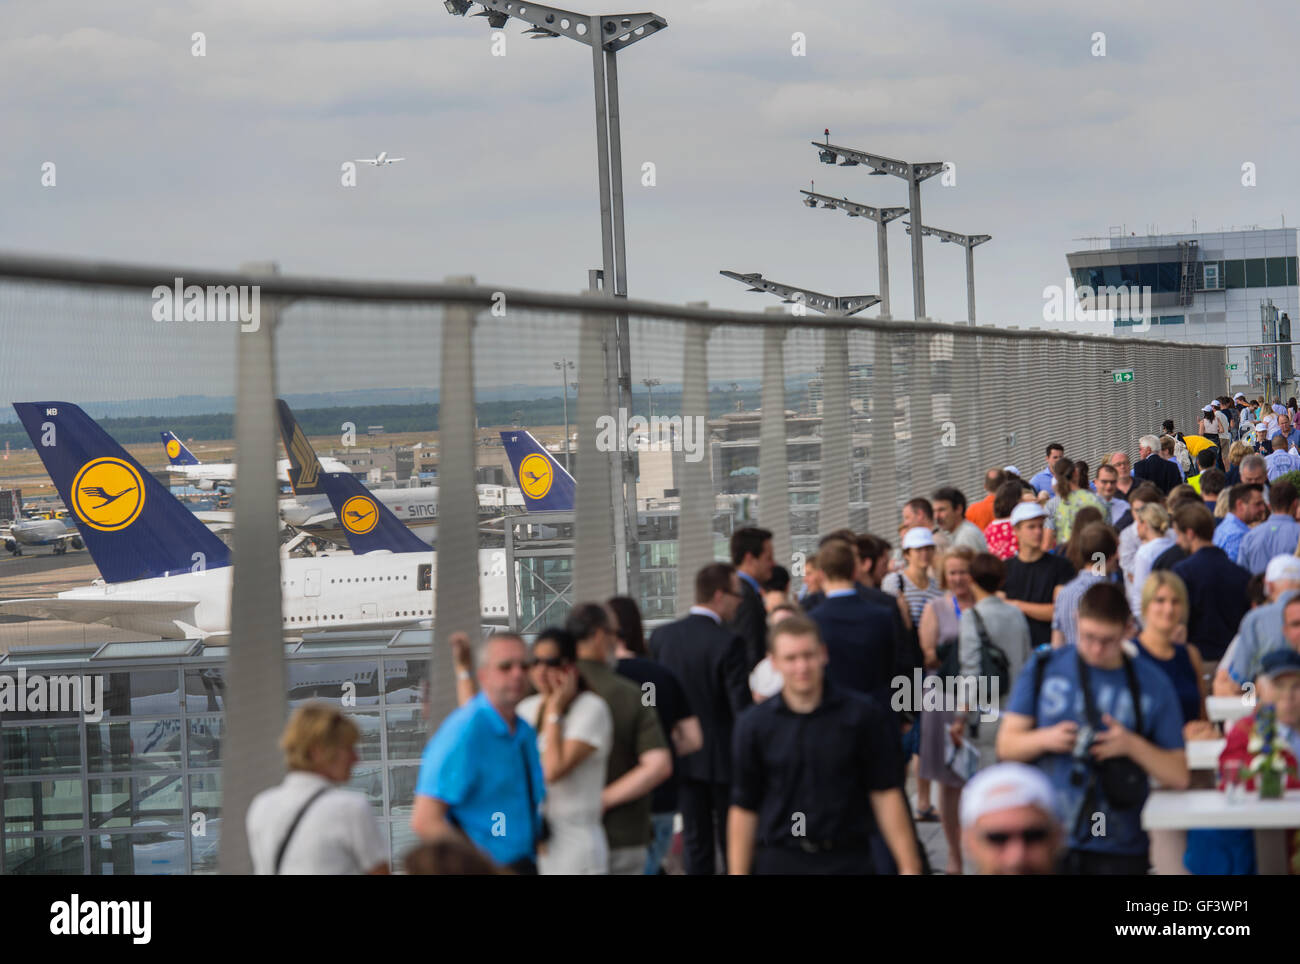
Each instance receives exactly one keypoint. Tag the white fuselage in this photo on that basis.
(224, 472)
(323, 592)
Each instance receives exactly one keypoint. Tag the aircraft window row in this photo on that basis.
(370, 579)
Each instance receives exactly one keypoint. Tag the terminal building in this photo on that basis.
(1233, 288)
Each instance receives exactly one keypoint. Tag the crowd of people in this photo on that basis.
(1087, 615)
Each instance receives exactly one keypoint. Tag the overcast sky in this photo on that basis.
(212, 161)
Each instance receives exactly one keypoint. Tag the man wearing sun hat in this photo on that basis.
(1034, 576)
(1009, 820)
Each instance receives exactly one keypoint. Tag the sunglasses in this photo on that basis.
(1031, 835)
(510, 664)
(554, 662)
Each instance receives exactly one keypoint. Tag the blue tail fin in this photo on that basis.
(369, 523)
(133, 527)
(544, 482)
(177, 453)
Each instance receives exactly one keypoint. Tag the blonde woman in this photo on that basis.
(1238, 452)
(1164, 611)
(312, 823)
(1152, 522)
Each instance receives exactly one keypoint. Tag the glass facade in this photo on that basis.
(1165, 277)
(139, 791)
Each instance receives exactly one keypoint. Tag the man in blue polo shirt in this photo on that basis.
(1275, 536)
(480, 772)
(1246, 506)
(1043, 481)
(1072, 713)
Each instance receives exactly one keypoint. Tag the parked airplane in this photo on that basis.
(165, 574)
(545, 483)
(309, 509)
(214, 475)
(42, 532)
(383, 158)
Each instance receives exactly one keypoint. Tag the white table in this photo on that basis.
(1227, 709)
(1210, 809)
(1204, 754)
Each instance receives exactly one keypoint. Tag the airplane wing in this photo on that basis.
(94, 610)
(367, 160)
(394, 160)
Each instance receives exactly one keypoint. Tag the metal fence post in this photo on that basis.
(457, 607)
(256, 700)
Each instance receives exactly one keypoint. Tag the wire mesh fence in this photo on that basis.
(800, 424)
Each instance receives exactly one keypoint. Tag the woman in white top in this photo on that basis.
(1152, 524)
(312, 823)
(575, 731)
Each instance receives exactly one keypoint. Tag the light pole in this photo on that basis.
(843, 305)
(650, 384)
(914, 174)
(882, 217)
(563, 366)
(967, 241)
(605, 35)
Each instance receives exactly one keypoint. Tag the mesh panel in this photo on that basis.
(799, 424)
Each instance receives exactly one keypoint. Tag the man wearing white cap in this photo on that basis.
(1264, 629)
(1033, 576)
(1009, 820)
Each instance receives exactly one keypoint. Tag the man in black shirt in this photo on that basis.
(1033, 576)
(816, 768)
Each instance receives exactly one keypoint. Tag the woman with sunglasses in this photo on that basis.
(574, 734)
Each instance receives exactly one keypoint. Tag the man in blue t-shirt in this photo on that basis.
(1047, 723)
(481, 772)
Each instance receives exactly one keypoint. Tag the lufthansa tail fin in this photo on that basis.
(545, 483)
(177, 453)
(133, 527)
(369, 524)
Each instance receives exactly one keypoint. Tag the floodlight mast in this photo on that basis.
(838, 306)
(967, 241)
(606, 35)
(914, 174)
(882, 217)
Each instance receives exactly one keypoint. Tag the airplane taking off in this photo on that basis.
(43, 532)
(219, 475)
(545, 483)
(165, 574)
(383, 158)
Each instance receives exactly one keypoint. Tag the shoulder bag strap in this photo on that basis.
(532, 797)
(1135, 693)
(284, 844)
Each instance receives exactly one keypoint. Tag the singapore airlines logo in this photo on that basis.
(359, 515)
(535, 476)
(173, 449)
(107, 494)
(304, 456)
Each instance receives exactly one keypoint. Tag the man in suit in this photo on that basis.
(1153, 467)
(859, 635)
(751, 554)
(710, 660)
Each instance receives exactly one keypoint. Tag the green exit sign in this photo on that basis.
(1124, 375)
(1231, 368)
